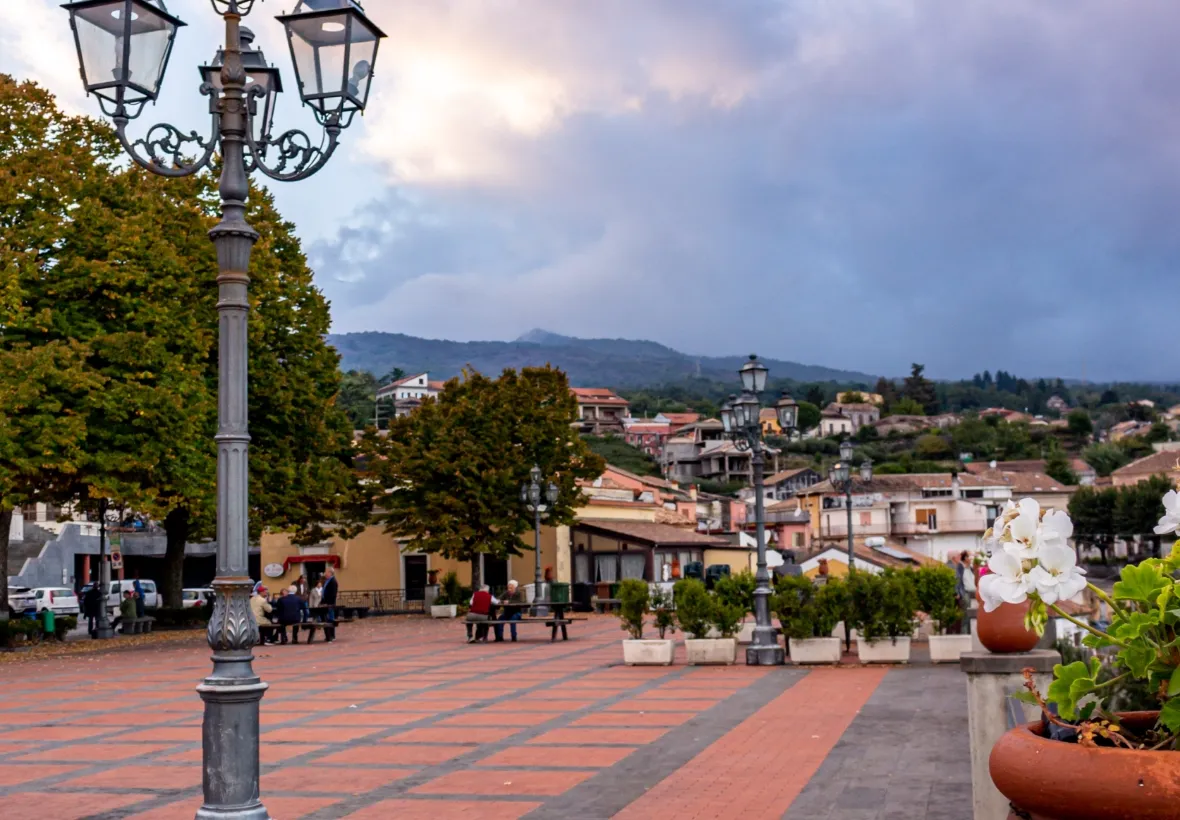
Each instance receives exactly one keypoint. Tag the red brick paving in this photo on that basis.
(531, 719)
(732, 775)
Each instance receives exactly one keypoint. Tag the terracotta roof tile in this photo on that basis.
(1167, 461)
(654, 534)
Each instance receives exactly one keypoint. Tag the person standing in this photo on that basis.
(138, 595)
(290, 611)
(514, 606)
(328, 599)
(91, 604)
(316, 596)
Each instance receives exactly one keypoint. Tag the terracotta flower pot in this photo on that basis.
(1052, 780)
(1003, 631)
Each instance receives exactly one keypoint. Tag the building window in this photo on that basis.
(866, 518)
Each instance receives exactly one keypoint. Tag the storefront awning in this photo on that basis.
(334, 560)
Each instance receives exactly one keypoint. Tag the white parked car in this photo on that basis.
(61, 600)
(192, 598)
(21, 601)
(151, 598)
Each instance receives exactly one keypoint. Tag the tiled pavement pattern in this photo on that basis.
(402, 719)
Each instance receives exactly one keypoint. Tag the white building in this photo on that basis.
(407, 392)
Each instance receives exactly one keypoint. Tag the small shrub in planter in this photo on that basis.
(660, 603)
(935, 588)
(450, 597)
(808, 614)
(698, 611)
(883, 609)
(64, 624)
(20, 632)
(634, 605)
(738, 591)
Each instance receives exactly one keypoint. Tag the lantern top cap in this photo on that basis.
(156, 7)
(312, 8)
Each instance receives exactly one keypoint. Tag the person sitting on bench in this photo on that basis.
(482, 609)
(515, 604)
(127, 610)
(290, 612)
(260, 608)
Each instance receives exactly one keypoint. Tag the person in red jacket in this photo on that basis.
(481, 610)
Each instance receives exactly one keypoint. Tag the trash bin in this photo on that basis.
(560, 592)
(48, 621)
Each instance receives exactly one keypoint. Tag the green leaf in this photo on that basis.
(1096, 641)
(1134, 625)
(1142, 583)
(1137, 659)
(1069, 684)
(1170, 715)
(1026, 697)
(1174, 683)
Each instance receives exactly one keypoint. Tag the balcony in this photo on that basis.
(941, 525)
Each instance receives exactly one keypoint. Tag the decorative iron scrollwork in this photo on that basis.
(162, 151)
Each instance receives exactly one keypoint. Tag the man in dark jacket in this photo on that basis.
(91, 604)
(290, 611)
(329, 600)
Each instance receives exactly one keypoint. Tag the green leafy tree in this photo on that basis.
(123, 270)
(1080, 426)
(906, 406)
(887, 390)
(358, 395)
(1057, 465)
(616, 451)
(1105, 458)
(1137, 509)
(453, 468)
(808, 416)
(1092, 512)
(920, 389)
(931, 446)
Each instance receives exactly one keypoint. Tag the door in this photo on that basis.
(495, 572)
(415, 580)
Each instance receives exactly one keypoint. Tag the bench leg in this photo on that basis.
(564, 635)
(553, 633)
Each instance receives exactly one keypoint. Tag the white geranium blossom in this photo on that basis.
(1056, 576)
(1171, 520)
(1005, 583)
(1021, 533)
(1056, 528)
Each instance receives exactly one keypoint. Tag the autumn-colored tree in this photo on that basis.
(453, 468)
(120, 266)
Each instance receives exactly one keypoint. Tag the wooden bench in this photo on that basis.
(272, 631)
(136, 626)
(553, 623)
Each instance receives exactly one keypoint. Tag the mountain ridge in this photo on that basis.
(619, 363)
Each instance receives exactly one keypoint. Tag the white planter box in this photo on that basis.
(815, 650)
(711, 650)
(712, 634)
(948, 648)
(444, 610)
(838, 631)
(746, 633)
(884, 650)
(648, 653)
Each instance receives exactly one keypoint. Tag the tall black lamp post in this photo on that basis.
(739, 417)
(123, 48)
(841, 477)
(530, 494)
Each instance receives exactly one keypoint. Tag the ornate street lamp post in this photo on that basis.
(841, 477)
(123, 48)
(530, 494)
(739, 417)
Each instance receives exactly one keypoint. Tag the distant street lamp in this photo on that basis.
(740, 418)
(123, 49)
(530, 494)
(841, 477)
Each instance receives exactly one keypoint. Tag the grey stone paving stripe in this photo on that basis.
(617, 786)
(157, 799)
(904, 757)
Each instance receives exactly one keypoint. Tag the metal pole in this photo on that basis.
(232, 691)
(537, 596)
(102, 628)
(765, 650)
(848, 509)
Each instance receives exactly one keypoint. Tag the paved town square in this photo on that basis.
(401, 718)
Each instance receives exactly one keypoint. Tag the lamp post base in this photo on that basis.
(104, 633)
(765, 655)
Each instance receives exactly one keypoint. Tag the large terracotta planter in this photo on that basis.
(1003, 631)
(1051, 780)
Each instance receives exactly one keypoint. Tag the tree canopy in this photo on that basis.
(452, 469)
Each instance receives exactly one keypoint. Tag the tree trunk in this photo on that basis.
(5, 523)
(476, 578)
(176, 527)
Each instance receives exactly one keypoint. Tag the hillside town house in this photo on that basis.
(600, 410)
(860, 413)
(702, 451)
(932, 514)
(407, 392)
(786, 483)
(677, 420)
(647, 435)
(1165, 462)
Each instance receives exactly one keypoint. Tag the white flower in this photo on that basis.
(1005, 583)
(1056, 528)
(1171, 520)
(1057, 576)
(1020, 538)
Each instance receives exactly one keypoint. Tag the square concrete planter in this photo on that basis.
(648, 653)
(746, 632)
(948, 648)
(711, 650)
(883, 650)
(444, 610)
(815, 650)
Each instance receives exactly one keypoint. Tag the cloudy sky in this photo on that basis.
(857, 183)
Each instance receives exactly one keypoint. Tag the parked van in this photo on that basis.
(151, 598)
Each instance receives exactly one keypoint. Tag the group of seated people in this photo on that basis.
(484, 608)
(292, 609)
